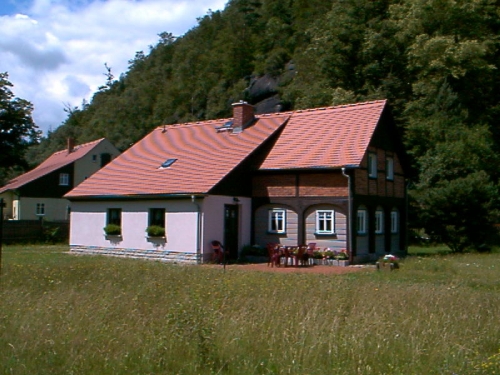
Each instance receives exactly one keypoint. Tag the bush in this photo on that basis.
(253, 250)
(155, 231)
(112, 229)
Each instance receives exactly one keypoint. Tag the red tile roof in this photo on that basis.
(326, 137)
(57, 160)
(204, 157)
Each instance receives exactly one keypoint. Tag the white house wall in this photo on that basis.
(184, 219)
(89, 218)
(213, 223)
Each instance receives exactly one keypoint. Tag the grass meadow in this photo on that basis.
(66, 314)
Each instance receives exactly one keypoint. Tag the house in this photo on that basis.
(333, 176)
(39, 193)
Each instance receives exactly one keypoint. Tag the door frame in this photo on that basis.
(231, 231)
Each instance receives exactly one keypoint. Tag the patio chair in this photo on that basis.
(303, 256)
(310, 252)
(218, 252)
(290, 253)
(274, 255)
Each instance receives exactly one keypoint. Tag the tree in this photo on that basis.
(17, 129)
(455, 196)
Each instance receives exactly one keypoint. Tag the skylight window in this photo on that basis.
(168, 163)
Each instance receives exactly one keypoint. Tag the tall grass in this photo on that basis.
(64, 314)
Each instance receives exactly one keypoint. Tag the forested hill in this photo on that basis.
(436, 61)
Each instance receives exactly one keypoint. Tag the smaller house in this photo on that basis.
(39, 193)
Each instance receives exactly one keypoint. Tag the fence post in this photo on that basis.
(2, 205)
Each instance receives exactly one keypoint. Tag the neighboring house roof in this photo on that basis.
(57, 160)
(204, 156)
(331, 137)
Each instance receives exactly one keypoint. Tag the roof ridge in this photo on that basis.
(351, 105)
(86, 144)
(213, 121)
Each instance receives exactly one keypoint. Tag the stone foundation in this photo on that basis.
(158, 255)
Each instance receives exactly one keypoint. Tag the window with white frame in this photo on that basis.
(389, 168)
(277, 221)
(361, 222)
(325, 222)
(372, 165)
(394, 221)
(379, 221)
(64, 179)
(40, 209)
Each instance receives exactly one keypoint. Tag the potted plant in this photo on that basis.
(342, 258)
(388, 260)
(330, 257)
(318, 257)
(155, 231)
(112, 231)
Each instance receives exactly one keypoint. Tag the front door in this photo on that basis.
(231, 215)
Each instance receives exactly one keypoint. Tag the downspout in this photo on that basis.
(198, 229)
(349, 213)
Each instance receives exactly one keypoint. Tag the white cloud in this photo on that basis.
(55, 52)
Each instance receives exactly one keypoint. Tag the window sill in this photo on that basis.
(325, 234)
(277, 233)
(113, 237)
(156, 239)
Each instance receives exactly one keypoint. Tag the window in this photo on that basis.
(389, 168)
(114, 216)
(325, 222)
(276, 221)
(361, 222)
(372, 165)
(167, 163)
(157, 217)
(40, 209)
(64, 179)
(94, 158)
(105, 159)
(379, 221)
(394, 221)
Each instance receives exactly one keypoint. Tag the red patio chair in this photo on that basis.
(302, 256)
(274, 255)
(218, 252)
(310, 252)
(290, 252)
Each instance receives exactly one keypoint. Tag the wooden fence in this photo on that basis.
(22, 231)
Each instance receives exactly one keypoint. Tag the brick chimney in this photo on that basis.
(243, 116)
(71, 145)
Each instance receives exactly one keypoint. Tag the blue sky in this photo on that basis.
(55, 50)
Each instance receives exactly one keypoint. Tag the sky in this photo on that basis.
(55, 50)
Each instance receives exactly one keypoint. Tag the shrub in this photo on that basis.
(342, 255)
(155, 231)
(112, 229)
(253, 250)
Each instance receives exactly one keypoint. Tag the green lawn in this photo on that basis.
(65, 314)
